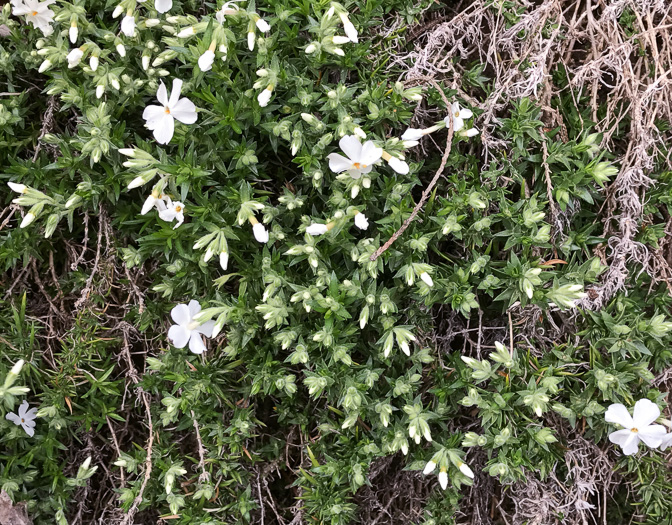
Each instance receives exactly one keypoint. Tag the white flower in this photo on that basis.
(174, 210)
(263, 26)
(100, 90)
(464, 468)
(128, 25)
(310, 49)
(360, 157)
(340, 39)
(73, 33)
(413, 134)
(25, 418)
(265, 96)
(161, 119)
(472, 132)
(74, 57)
(359, 132)
(429, 468)
(44, 66)
(117, 11)
(186, 32)
(443, 479)
(27, 219)
(317, 229)
(93, 62)
(187, 330)
(206, 60)
(250, 40)
(229, 8)
(398, 165)
(18, 188)
(427, 279)
(224, 260)
(349, 28)
(260, 233)
(37, 13)
(154, 200)
(637, 427)
(163, 6)
(458, 115)
(361, 221)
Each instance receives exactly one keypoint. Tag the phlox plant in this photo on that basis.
(226, 330)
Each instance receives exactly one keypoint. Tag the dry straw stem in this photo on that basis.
(627, 72)
(430, 186)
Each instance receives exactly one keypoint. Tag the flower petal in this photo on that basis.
(165, 128)
(13, 418)
(163, 6)
(338, 163)
(175, 92)
(194, 307)
(196, 344)
(206, 328)
(645, 413)
(28, 429)
(23, 409)
(179, 336)
(626, 439)
(351, 147)
(153, 115)
(167, 215)
(162, 94)
(370, 153)
(184, 111)
(180, 314)
(466, 113)
(652, 435)
(617, 413)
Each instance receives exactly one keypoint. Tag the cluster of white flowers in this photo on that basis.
(458, 115)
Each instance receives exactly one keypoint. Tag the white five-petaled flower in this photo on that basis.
(459, 115)
(186, 330)
(637, 427)
(25, 418)
(317, 229)
(174, 210)
(361, 221)
(161, 119)
(37, 13)
(163, 6)
(260, 233)
(360, 157)
(128, 25)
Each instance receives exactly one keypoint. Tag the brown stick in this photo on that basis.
(430, 187)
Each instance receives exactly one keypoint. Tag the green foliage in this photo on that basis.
(323, 362)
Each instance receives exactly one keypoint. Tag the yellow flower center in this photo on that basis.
(34, 13)
(167, 110)
(635, 430)
(23, 420)
(358, 166)
(178, 209)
